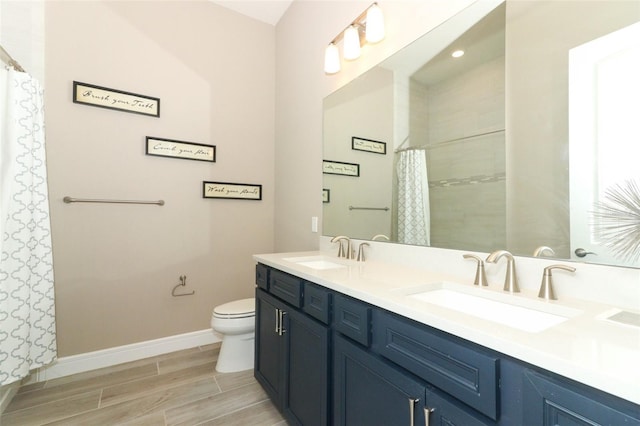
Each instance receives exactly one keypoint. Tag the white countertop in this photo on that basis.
(585, 348)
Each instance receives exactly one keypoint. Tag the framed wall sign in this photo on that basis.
(368, 145)
(326, 195)
(180, 149)
(233, 191)
(340, 168)
(103, 97)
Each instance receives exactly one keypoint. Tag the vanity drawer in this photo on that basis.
(460, 370)
(262, 276)
(286, 287)
(317, 302)
(352, 318)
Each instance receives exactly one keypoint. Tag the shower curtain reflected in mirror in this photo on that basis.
(27, 311)
(413, 198)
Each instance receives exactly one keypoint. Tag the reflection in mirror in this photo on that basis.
(478, 149)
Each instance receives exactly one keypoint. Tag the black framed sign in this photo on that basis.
(180, 149)
(368, 145)
(340, 168)
(103, 97)
(233, 191)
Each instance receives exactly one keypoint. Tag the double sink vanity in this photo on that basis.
(343, 342)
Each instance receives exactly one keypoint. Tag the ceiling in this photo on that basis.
(269, 11)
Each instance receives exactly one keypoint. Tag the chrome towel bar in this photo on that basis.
(369, 208)
(94, 200)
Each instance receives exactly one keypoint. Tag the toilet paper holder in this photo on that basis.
(183, 283)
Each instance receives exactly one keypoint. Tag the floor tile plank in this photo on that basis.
(69, 388)
(141, 408)
(228, 381)
(53, 410)
(188, 360)
(216, 406)
(126, 391)
(263, 413)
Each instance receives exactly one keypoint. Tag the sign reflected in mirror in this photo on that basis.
(493, 127)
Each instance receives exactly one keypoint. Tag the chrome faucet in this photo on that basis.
(546, 287)
(481, 277)
(543, 251)
(342, 251)
(510, 278)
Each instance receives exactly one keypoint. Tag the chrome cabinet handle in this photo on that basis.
(282, 314)
(412, 410)
(277, 321)
(427, 414)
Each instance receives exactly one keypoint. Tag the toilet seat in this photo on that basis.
(243, 308)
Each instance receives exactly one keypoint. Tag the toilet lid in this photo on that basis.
(237, 308)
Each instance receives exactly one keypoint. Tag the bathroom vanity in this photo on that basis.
(342, 342)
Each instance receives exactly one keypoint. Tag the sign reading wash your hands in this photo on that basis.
(233, 191)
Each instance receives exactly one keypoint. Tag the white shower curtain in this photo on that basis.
(413, 198)
(27, 317)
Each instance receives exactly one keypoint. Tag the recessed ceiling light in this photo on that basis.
(457, 53)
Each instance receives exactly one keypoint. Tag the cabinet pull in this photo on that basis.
(427, 414)
(277, 311)
(282, 314)
(412, 410)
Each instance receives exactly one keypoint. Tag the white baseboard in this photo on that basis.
(107, 357)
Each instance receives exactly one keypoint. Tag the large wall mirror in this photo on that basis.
(529, 141)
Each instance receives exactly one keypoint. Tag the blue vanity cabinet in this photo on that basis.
(307, 396)
(370, 391)
(292, 356)
(452, 365)
(553, 401)
(326, 358)
(270, 347)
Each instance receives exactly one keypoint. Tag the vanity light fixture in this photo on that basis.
(367, 27)
(331, 59)
(375, 24)
(351, 44)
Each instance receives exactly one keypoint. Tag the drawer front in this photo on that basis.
(352, 318)
(317, 302)
(286, 287)
(262, 276)
(460, 370)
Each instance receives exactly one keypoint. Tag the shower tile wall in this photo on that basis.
(466, 176)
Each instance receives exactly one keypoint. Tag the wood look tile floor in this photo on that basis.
(180, 388)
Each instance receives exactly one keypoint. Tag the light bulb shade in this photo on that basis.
(351, 43)
(375, 24)
(331, 59)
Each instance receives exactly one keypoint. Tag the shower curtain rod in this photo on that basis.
(449, 141)
(8, 59)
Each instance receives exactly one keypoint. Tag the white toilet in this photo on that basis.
(236, 322)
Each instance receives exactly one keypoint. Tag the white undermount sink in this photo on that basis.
(506, 309)
(315, 262)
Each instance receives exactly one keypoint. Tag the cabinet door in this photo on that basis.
(307, 396)
(368, 391)
(270, 348)
(442, 410)
(550, 402)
